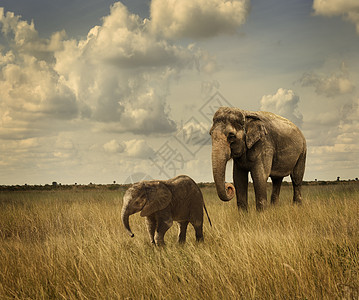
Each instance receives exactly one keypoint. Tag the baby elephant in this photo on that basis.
(162, 202)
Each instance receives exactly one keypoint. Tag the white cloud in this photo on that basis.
(138, 149)
(30, 90)
(118, 76)
(348, 9)
(349, 125)
(125, 41)
(332, 85)
(26, 39)
(135, 148)
(146, 114)
(32, 87)
(330, 118)
(116, 79)
(114, 147)
(123, 73)
(333, 140)
(284, 103)
(195, 133)
(31, 158)
(204, 61)
(64, 142)
(64, 148)
(197, 19)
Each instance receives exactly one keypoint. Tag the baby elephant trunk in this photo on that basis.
(125, 215)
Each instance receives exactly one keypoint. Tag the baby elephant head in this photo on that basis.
(147, 197)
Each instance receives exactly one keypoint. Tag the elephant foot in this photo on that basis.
(297, 196)
(182, 241)
(260, 205)
(160, 243)
(242, 206)
(200, 239)
(274, 200)
(297, 201)
(199, 233)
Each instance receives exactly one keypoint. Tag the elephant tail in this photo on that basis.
(205, 209)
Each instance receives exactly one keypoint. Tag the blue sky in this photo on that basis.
(96, 91)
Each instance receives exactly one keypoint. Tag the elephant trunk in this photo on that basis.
(220, 156)
(125, 215)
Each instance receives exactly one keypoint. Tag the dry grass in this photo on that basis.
(71, 245)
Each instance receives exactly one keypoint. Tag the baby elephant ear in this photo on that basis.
(158, 197)
(255, 130)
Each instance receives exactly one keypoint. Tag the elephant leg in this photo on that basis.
(162, 227)
(182, 231)
(199, 232)
(260, 178)
(151, 224)
(297, 194)
(276, 182)
(297, 178)
(240, 180)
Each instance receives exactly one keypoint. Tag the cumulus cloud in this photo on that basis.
(284, 103)
(133, 148)
(64, 148)
(325, 129)
(348, 9)
(332, 85)
(25, 37)
(194, 133)
(336, 140)
(114, 146)
(123, 73)
(31, 92)
(138, 149)
(197, 19)
(115, 79)
(119, 76)
(349, 124)
(146, 114)
(124, 40)
(31, 87)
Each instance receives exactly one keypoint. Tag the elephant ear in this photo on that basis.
(158, 197)
(255, 130)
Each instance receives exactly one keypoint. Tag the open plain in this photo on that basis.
(70, 244)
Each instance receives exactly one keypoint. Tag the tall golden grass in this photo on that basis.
(71, 245)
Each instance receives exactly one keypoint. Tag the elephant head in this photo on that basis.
(147, 197)
(234, 131)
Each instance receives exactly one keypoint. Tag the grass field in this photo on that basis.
(70, 244)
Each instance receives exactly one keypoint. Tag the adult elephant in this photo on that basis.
(262, 143)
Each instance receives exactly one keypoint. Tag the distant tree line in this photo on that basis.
(59, 186)
(115, 186)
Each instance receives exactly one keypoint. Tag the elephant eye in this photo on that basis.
(231, 137)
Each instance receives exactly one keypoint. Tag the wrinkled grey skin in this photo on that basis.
(163, 201)
(262, 143)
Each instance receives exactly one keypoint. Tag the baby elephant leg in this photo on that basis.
(151, 224)
(199, 233)
(162, 227)
(198, 228)
(182, 231)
